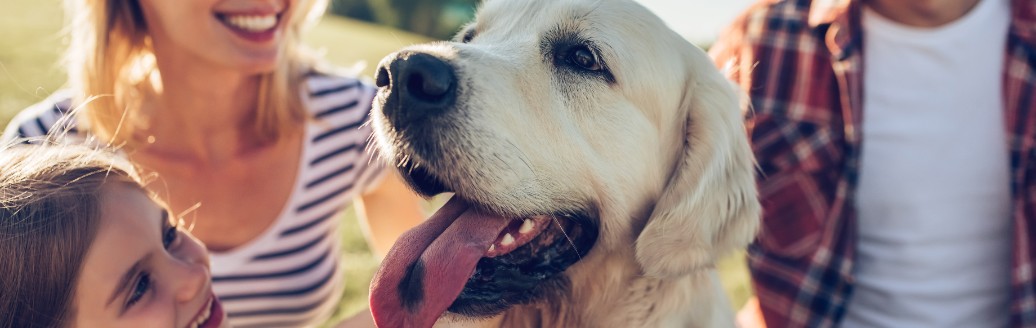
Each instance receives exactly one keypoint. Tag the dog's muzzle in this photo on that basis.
(415, 86)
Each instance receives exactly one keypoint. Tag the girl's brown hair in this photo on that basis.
(49, 214)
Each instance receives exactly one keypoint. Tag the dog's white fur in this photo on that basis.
(661, 154)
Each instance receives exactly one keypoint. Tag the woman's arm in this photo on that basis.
(387, 211)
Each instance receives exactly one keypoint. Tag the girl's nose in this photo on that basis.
(192, 280)
(192, 264)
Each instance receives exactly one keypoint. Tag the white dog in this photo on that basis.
(599, 164)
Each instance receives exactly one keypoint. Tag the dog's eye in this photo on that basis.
(585, 58)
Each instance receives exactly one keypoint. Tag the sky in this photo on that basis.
(700, 21)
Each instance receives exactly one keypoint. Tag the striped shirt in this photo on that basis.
(801, 62)
(289, 275)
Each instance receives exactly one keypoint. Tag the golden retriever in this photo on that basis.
(599, 167)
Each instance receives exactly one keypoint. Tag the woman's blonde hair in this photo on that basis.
(49, 216)
(109, 59)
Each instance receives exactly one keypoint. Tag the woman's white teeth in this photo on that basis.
(252, 23)
(492, 247)
(526, 226)
(507, 240)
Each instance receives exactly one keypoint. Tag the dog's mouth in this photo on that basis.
(470, 261)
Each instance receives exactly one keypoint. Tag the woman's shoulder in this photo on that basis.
(52, 115)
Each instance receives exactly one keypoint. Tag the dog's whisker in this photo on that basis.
(503, 164)
(403, 161)
(569, 239)
(376, 157)
(520, 154)
(367, 123)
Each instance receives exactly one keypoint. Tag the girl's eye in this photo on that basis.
(169, 236)
(139, 289)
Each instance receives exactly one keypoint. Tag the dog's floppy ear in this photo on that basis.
(710, 203)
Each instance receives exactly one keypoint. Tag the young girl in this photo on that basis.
(83, 244)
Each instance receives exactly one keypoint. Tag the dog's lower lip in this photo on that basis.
(421, 180)
(530, 271)
(514, 269)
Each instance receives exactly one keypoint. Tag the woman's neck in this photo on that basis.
(202, 113)
(922, 13)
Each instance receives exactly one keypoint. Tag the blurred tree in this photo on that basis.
(357, 9)
(435, 18)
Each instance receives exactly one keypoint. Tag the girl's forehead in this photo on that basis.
(129, 231)
(130, 206)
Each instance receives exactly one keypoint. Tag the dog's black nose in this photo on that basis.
(419, 85)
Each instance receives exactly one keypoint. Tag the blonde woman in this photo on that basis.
(260, 146)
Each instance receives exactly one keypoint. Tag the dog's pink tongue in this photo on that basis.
(426, 269)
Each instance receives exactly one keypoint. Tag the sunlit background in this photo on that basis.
(697, 20)
(355, 31)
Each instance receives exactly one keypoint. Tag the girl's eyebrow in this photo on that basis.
(127, 277)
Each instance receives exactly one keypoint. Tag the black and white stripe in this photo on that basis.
(294, 279)
(48, 117)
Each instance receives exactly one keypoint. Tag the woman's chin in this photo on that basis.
(257, 67)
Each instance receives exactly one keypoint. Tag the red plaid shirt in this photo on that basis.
(801, 62)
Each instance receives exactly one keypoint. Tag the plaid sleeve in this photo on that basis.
(799, 271)
(790, 129)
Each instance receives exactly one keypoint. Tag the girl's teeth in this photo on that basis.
(252, 23)
(204, 315)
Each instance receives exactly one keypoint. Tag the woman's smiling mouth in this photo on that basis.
(251, 26)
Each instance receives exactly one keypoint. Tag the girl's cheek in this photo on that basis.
(161, 312)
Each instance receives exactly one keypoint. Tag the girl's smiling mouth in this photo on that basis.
(210, 316)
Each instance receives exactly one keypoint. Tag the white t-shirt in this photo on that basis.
(934, 192)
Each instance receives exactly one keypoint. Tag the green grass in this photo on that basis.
(29, 52)
(31, 42)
